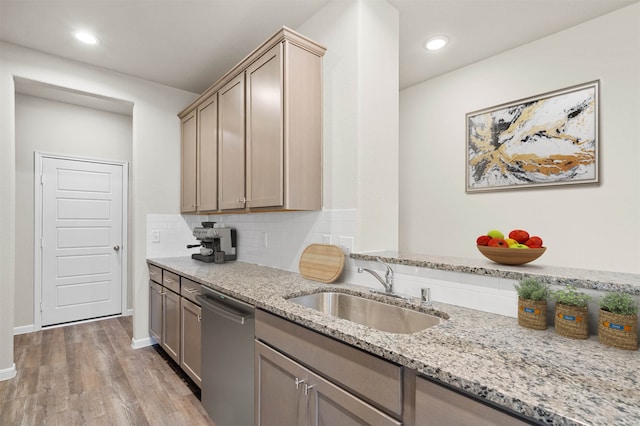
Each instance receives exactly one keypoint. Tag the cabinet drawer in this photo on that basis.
(155, 274)
(437, 405)
(372, 379)
(171, 281)
(189, 289)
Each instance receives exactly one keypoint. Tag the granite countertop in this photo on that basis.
(539, 374)
(555, 275)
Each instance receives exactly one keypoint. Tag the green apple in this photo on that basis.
(495, 234)
(519, 246)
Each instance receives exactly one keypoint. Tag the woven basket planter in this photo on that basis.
(619, 331)
(572, 321)
(532, 313)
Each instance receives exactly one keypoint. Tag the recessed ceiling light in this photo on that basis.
(86, 37)
(436, 43)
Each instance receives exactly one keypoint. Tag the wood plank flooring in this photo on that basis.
(88, 374)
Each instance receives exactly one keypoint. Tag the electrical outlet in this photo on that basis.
(346, 243)
(155, 236)
(326, 239)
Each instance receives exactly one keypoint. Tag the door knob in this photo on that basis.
(116, 247)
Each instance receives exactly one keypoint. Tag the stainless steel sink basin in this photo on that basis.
(374, 314)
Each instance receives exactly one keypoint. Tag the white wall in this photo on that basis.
(155, 173)
(361, 115)
(584, 226)
(52, 127)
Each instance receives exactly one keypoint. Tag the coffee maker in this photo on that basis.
(217, 243)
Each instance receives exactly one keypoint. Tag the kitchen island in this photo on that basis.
(537, 374)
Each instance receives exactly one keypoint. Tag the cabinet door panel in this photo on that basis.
(279, 401)
(265, 144)
(171, 325)
(330, 405)
(189, 165)
(231, 140)
(190, 359)
(208, 155)
(155, 311)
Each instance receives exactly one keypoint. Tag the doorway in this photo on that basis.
(80, 238)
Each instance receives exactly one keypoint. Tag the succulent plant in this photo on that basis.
(619, 303)
(532, 289)
(571, 297)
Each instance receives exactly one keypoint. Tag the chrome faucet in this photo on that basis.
(388, 276)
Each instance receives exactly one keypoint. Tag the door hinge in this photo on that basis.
(41, 179)
(40, 306)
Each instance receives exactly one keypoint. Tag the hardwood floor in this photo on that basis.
(88, 374)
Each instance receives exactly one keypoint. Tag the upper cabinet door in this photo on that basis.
(208, 154)
(231, 150)
(265, 138)
(189, 163)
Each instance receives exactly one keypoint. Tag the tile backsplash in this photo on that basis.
(278, 239)
(270, 239)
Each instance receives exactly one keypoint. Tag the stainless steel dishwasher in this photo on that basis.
(228, 329)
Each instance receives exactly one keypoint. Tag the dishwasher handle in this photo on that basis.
(225, 311)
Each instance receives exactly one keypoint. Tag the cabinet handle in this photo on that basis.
(299, 382)
(199, 318)
(190, 290)
(307, 388)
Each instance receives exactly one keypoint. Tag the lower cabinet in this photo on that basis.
(174, 319)
(156, 294)
(289, 394)
(305, 378)
(171, 324)
(190, 340)
(164, 319)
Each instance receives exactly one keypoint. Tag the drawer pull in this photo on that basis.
(307, 388)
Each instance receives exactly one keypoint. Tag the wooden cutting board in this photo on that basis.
(322, 262)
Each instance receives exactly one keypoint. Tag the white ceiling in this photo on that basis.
(189, 44)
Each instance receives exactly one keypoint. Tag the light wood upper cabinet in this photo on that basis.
(265, 142)
(231, 154)
(189, 163)
(208, 155)
(269, 129)
(200, 158)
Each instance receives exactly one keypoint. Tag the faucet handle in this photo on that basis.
(389, 271)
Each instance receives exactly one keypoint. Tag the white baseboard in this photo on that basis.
(23, 329)
(142, 343)
(8, 373)
(129, 312)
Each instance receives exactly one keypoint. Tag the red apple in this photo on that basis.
(498, 242)
(534, 241)
(533, 246)
(519, 235)
(483, 240)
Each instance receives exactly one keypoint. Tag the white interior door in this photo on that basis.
(82, 225)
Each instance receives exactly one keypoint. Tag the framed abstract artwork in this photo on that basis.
(549, 139)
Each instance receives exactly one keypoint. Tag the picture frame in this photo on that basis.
(547, 139)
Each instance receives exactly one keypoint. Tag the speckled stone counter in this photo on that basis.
(539, 374)
(580, 278)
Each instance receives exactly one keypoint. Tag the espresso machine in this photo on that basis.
(217, 244)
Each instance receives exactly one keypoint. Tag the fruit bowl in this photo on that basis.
(511, 256)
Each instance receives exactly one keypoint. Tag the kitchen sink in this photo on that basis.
(378, 315)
